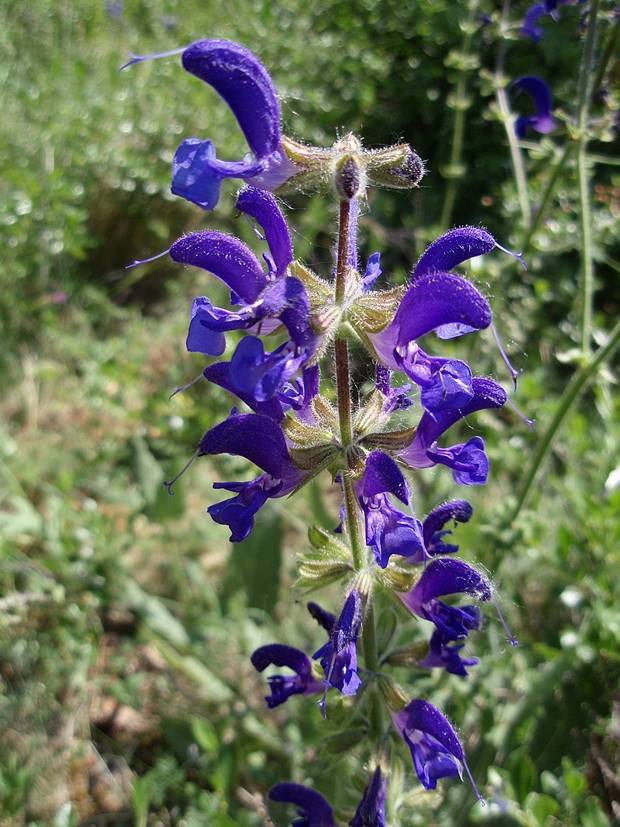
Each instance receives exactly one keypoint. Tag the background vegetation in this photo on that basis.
(126, 619)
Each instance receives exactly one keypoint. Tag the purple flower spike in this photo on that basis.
(281, 686)
(388, 530)
(433, 526)
(371, 809)
(446, 576)
(468, 461)
(542, 121)
(338, 656)
(435, 747)
(263, 207)
(244, 83)
(313, 809)
(442, 655)
(226, 257)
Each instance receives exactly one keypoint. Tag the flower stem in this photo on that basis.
(583, 109)
(343, 388)
(577, 384)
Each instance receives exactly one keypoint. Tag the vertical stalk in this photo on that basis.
(577, 384)
(518, 166)
(583, 110)
(455, 166)
(346, 244)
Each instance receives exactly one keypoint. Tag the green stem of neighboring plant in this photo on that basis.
(518, 167)
(455, 169)
(583, 178)
(575, 387)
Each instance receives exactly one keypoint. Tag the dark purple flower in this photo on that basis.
(388, 530)
(468, 461)
(313, 809)
(435, 747)
(441, 302)
(243, 82)
(283, 686)
(324, 618)
(433, 530)
(447, 576)
(259, 439)
(371, 809)
(542, 120)
(396, 399)
(530, 27)
(442, 654)
(453, 248)
(338, 656)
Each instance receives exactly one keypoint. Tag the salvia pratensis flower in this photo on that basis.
(468, 461)
(371, 809)
(315, 811)
(442, 577)
(281, 687)
(388, 530)
(446, 655)
(542, 120)
(338, 656)
(260, 440)
(435, 747)
(530, 26)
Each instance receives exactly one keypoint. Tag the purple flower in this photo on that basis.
(371, 809)
(468, 461)
(449, 305)
(542, 120)
(446, 576)
(259, 439)
(388, 530)
(435, 747)
(453, 248)
(433, 530)
(338, 656)
(264, 297)
(442, 654)
(530, 27)
(283, 686)
(396, 399)
(313, 809)
(243, 82)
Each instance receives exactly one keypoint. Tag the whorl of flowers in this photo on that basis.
(290, 428)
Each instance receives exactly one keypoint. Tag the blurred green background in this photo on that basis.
(126, 618)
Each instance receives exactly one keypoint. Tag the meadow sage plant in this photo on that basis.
(291, 429)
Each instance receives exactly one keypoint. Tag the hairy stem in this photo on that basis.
(583, 109)
(346, 244)
(575, 387)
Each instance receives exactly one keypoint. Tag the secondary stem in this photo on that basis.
(576, 385)
(583, 179)
(508, 121)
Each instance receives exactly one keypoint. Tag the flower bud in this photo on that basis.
(393, 694)
(349, 178)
